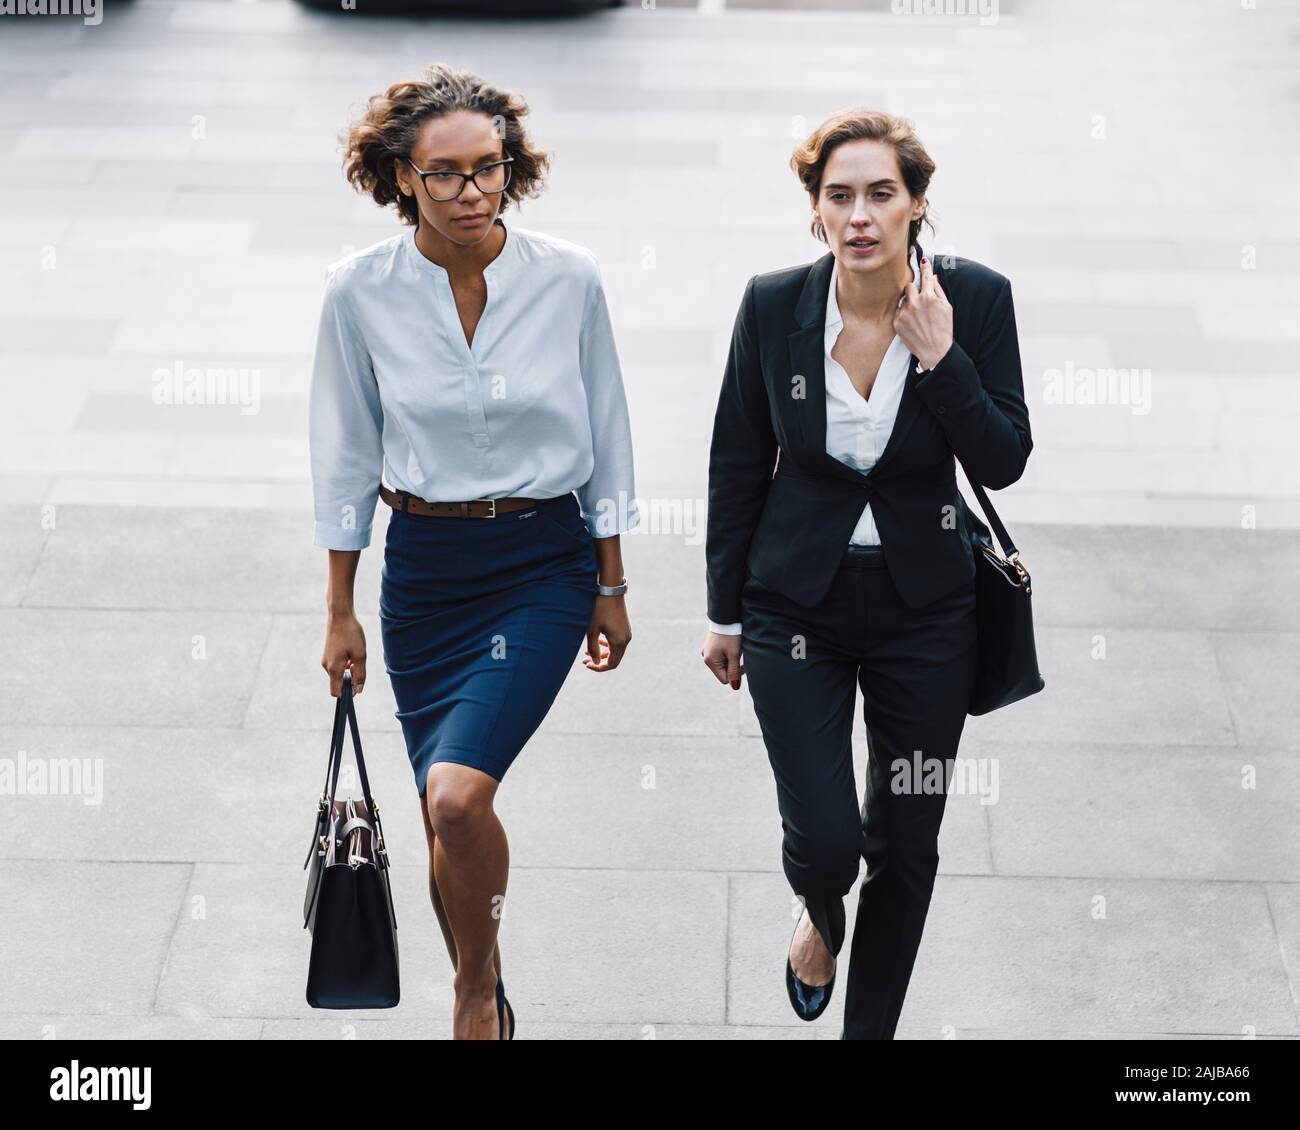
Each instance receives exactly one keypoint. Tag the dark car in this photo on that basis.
(472, 7)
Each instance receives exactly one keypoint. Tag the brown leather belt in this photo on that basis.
(478, 508)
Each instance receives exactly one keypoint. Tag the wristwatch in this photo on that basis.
(612, 590)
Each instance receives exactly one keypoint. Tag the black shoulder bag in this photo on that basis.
(349, 903)
(1008, 657)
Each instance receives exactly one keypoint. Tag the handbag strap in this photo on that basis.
(346, 709)
(336, 740)
(1009, 551)
(345, 712)
(372, 809)
(345, 716)
(325, 809)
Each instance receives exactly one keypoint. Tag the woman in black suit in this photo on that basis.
(838, 544)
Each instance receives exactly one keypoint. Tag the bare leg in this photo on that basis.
(471, 865)
(434, 897)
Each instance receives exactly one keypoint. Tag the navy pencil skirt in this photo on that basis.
(481, 621)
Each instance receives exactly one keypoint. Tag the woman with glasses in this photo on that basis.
(471, 364)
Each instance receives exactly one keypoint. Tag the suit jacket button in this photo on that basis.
(942, 409)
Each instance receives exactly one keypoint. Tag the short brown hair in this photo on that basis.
(860, 124)
(391, 123)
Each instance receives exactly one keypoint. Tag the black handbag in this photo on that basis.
(349, 903)
(1008, 658)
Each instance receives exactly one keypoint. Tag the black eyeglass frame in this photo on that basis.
(465, 178)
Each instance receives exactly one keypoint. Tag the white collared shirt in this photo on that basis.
(857, 430)
(534, 408)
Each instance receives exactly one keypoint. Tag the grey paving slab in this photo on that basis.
(1284, 905)
(1170, 957)
(663, 689)
(529, 1029)
(259, 414)
(160, 794)
(1153, 686)
(81, 1026)
(1169, 812)
(1092, 576)
(201, 558)
(164, 793)
(72, 949)
(244, 952)
(1261, 671)
(1027, 953)
(688, 803)
(1087, 576)
(131, 668)
(26, 335)
(24, 541)
(637, 968)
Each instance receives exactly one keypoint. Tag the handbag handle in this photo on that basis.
(345, 714)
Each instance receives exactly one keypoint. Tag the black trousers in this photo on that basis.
(916, 667)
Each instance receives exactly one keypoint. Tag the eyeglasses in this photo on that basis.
(447, 184)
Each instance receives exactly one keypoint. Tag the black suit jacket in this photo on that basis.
(789, 528)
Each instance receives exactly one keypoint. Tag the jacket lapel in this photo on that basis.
(807, 358)
(909, 405)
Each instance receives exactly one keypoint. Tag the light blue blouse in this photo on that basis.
(534, 408)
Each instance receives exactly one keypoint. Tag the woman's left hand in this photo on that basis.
(924, 319)
(608, 634)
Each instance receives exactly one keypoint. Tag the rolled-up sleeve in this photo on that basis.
(608, 497)
(345, 428)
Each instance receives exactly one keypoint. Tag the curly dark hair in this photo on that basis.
(809, 158)
(391, 123)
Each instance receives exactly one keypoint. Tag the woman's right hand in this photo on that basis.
(722, 657)
(345, 647)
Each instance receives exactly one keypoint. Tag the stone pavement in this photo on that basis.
(170, 196)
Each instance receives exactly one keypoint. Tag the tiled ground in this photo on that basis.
(169, 195)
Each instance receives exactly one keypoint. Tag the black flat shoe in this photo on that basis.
(808, 1001)
(504, 1010)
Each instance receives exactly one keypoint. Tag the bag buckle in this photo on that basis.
(1023, 576)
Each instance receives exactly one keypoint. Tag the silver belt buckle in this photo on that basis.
(492, 502)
